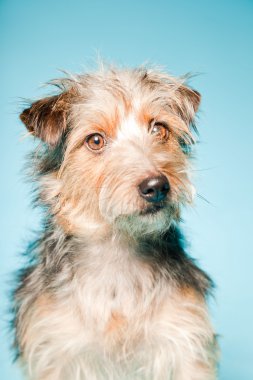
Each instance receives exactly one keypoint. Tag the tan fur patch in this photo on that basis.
(115, 323)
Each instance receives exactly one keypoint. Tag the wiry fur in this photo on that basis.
(111, 293)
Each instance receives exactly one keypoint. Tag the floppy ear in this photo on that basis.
(187, 103)
(47, 118)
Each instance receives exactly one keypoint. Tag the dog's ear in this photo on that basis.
(187, 103)
(47, 118)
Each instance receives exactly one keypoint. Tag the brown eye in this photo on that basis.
(95, 141)
(160, 130)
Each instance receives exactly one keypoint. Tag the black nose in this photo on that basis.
(154, 189)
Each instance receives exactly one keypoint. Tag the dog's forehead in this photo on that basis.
(121, 111)
(122, 105)
(130, 126)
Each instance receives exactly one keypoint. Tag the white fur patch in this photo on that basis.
(130, 129)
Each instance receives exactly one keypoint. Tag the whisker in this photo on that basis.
(204, 199)
(204, 169)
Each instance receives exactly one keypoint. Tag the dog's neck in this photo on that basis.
(162, 254)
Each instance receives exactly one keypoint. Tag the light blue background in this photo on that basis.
(213, 38)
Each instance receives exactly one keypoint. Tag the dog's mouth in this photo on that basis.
(152, 210)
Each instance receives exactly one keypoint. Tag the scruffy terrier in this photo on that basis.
(110, 292)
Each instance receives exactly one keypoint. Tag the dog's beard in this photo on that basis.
(151, 221)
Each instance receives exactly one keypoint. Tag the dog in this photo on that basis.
(109, 291)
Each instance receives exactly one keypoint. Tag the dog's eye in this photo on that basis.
(160, 130)
(95, 141)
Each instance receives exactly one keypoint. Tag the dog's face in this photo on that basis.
(117, 150)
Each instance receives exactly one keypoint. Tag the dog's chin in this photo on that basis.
(152, 220)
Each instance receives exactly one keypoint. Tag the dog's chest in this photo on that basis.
(122, 300)
(114, 289)
(119, 316)
(128, 311)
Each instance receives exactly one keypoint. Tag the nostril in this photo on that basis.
(166, 187)
(154, 189)
(148, 191)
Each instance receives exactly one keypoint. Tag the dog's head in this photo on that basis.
(116, 150)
